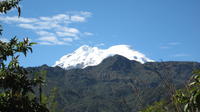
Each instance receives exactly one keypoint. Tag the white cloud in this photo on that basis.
(60, 17)
(170, 45)
(4, 40)
(77, 18)
(88, 33)
(40, 26)
(17, 19)
(85, 13)
(71, 30)
(68, 32)
(164, 47)
(180, 55)
(68, 39)
(44, 33)
(27, 26)
(45, 43)
(174, 43)
(64, 34)
(55, 29)
(51, 40)
(101, 44)
(45, 25)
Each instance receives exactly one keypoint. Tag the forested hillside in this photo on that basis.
(116, 85)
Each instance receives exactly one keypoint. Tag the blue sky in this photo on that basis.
(167, 30)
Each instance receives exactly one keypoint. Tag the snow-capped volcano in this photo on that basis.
(91, 56)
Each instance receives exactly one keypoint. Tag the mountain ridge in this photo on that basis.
(103, 87)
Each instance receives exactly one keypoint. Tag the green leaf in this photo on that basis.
(32, 43)
(186, 107)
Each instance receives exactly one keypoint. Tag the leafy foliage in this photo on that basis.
(50, 100)
(190, 97)
(16, 86)
(160, 106)
(187, 99)
(7, 5)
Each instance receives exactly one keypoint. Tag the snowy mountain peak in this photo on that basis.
(84, 48)
(91, 56)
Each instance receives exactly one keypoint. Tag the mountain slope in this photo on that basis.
(91, 56)
(114, 84)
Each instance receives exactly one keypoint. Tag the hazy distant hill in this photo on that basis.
(115, 85)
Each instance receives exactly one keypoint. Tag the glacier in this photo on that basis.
(91, 56)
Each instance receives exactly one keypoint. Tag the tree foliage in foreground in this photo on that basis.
(156, 107)
(190, 96)
(187, 98)
(6, 5)
(16, 87)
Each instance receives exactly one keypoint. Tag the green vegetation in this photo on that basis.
(117, 85)
(189, 97)
(7, 5)
(186, 99)
(16, 87)
(160, 106)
